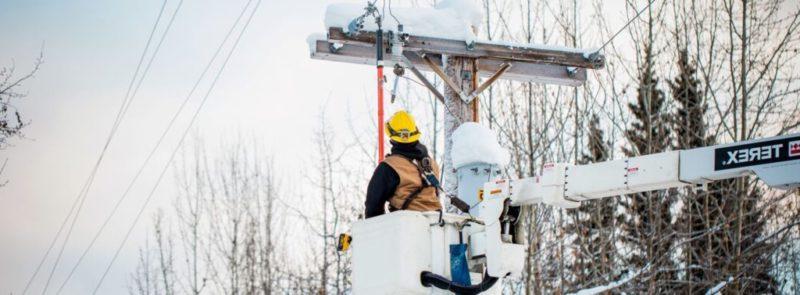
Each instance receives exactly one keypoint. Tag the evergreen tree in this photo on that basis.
(649, 133)
(689, 119)
(698, 209)
(593, 224)
(598, 148)
(647, 219)
(706, 217)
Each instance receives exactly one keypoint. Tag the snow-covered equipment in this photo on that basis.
(420, 242)
(425, 37)
(449, 29)
(775, 160)
(477, 158)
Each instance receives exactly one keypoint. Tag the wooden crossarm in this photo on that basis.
(487, 67)
(479, 49)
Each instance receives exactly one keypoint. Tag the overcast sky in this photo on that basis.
(271, 90)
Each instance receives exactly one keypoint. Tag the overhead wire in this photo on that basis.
(116, 127)
(626, 25)
(158, 47)
(120, 114)
(180, 143)
(392, 13)
(123, 110)
(152, 152)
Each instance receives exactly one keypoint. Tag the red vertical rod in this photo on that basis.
(379, 63)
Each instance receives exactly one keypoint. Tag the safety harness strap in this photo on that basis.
(413, 195)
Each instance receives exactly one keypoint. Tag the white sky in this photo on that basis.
(270, 90)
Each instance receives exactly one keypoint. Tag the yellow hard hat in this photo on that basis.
(401, 128)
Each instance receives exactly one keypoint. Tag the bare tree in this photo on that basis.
(143, 279)
(11, 120)
(339, 196)
(227, 227)
(155, 272)
(744, 53)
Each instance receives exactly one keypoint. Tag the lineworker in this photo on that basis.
(408, 177)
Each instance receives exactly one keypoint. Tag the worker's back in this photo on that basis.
(411, 193)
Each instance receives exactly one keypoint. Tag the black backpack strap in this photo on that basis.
(425, 170)
(413, 195)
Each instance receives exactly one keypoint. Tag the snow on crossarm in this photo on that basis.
(450, 19)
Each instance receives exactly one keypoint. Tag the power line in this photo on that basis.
(152, 151)
(392, 13)
(120, 114)
(115, 129)
(180, 143)
(158, 47)
(626, 25)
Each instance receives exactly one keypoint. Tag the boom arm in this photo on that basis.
(775, 160)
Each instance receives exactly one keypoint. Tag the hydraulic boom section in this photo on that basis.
(775, 160)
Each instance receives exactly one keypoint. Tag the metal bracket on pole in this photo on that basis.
(465, 97)
(422, 78)
(436, 69)
(488, 82)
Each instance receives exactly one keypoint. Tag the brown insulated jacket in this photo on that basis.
(387, 185)
(411, 181)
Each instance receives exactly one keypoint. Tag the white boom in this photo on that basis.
(775, 160)
(407, 252)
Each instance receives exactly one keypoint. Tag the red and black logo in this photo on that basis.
(794, 148)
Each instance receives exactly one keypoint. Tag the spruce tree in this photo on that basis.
(689, 123)
(647, 219)
(698, 209)
(706, 217)
(593, 224)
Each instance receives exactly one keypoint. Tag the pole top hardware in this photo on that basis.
(527, 63)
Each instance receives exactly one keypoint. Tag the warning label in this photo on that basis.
(758, 153)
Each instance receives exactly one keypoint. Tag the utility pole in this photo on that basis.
(463, 72)
(458, 64)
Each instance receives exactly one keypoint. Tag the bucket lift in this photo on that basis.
(406, 252)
